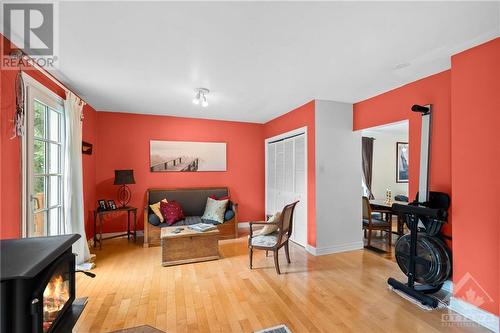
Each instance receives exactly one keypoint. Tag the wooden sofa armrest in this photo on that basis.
(146, 227)
(235, 210)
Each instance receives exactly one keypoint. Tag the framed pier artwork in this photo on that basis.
(185, 156)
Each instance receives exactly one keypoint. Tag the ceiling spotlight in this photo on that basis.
(201, 97)
(196, 99)
(402, 65)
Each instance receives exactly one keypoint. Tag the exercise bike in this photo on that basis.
(422, 253)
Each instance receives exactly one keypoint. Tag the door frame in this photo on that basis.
(282, 136)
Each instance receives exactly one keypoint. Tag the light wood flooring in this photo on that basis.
(344, 292)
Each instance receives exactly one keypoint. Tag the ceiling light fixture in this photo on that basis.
(201, 97)
(402, 65)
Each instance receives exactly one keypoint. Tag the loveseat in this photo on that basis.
(192, 201)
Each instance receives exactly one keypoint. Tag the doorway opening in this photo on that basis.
(385, 179)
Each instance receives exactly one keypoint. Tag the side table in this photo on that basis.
(98, 219)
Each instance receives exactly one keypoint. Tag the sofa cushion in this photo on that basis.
(156, 209)
(265, 240)
(269, 229)
(219, 198)
(188, 220)
(154, 220)
(192, 200)
(171, 211)
(209, 221)
(215, 210)
(229, 214)
(376, 222)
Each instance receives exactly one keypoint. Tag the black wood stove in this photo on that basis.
(38, 285)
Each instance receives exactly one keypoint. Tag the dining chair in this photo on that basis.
(371, 223)
(276, 240)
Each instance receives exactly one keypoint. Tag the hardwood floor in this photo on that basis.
(344, 292)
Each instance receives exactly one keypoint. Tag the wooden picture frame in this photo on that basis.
(102, 205)
(187, 156)
(86, 148)
(402, 162)
(111, 205)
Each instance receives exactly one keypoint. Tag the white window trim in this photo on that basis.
(33, 89)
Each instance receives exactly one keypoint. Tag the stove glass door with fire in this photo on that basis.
(55, 296)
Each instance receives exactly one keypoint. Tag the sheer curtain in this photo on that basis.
(73, 176)
(367, 151)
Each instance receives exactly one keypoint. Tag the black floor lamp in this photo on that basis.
(123, 178)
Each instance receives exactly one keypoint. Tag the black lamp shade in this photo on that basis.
(123, 177)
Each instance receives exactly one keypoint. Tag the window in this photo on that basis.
(43, 163)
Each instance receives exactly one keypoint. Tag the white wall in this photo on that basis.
(338, 174)
(384, 162)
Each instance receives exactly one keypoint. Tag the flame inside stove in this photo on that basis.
(55, 295)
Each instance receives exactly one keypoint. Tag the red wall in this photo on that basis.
(89, 162)
(395, 105)
(300, 117)
(10, 215)
(10, 166)
(475, 99)
(123, 141)
(464, 158)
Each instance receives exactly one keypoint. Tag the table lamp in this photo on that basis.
(122, 178)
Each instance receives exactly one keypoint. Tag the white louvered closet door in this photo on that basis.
(271, 180)
(286, 181)
(280, 175)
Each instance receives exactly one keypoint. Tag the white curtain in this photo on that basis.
(73, 176)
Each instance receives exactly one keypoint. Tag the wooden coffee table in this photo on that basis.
(188, 246)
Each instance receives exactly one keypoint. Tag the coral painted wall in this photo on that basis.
(464, 158)
(123, 141)
(300, 117)
(10, 212)
(10, 215)
(89, 134)
(395, 105)
(475, 147)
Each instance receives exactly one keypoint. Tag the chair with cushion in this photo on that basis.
(401, 197)
(371, 223)
(275, 240)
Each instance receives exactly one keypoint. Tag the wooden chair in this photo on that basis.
(371, 223)
(276, 240)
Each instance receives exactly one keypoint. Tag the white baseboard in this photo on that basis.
(474, 313)
(311, 249)
(315, 251)
(471, 312)
(243, 225)
(448, 286)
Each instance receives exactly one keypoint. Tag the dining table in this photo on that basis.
(386, 206)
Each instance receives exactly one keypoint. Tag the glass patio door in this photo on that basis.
(43, 160)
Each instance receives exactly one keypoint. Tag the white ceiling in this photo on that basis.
(259, 59)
